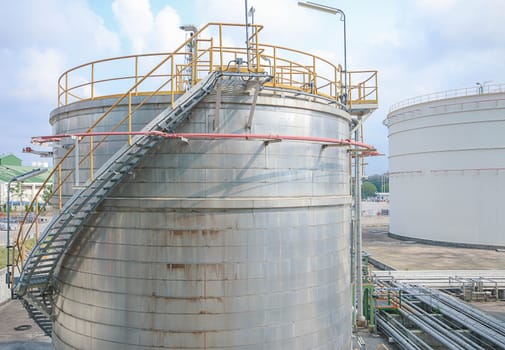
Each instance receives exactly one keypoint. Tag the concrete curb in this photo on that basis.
(5, 292)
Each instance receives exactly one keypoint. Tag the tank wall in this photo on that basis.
(78, 117)
(447, 171)
(219, 243)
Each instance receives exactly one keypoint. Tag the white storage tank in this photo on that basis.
(447, 167)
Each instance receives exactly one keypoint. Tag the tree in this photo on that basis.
(47, 193)
(368, 189)
(18, 191)
(381, 182)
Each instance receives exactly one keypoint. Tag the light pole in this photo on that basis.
(333, 11)
(357, 174)
(20, 177)
(481, 86)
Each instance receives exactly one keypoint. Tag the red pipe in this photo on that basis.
(42, 139)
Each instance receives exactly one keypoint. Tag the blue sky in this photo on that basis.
(418, 47)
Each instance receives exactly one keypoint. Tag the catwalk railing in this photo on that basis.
(204, 52)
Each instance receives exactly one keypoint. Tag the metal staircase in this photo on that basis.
(35, 285)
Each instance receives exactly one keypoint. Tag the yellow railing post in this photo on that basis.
(66, 88)
(91, 150)
(136, 74)
(172, 97)
(36, 221)
(314, 83)
(291, 73)
(59, 92)
(274, 73)
(92, 81)
(376, 87)
(221, 45)
(22, 253)
(129, 117)
(193, 62)
(258, 58)
(349, 88)
(211, 55)
(60, 185)
(334, 85)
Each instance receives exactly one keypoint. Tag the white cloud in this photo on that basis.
(148, 32)
(43, 40)
(462, 23)
(36, 77)
(166, 35)
(135, 20)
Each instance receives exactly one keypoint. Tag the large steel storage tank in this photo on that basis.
(233, 233)
(447, 167)
(218, 244)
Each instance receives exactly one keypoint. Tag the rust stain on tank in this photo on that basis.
(176, 266)
(200, 272)
(191, 299)
(210, 232)
(178, 232)
(193, 232)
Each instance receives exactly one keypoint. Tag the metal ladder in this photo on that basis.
(35, 285)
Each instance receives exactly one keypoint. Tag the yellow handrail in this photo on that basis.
(327, 73)
(290, 69)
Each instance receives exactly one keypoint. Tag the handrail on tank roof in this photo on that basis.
(461, 92)
(204, 53)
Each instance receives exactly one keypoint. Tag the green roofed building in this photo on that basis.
(10, 167)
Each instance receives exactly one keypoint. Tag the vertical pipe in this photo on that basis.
(345, 57)
(353, 244)
(8, 276)
(247, 36)
(359, 263)
(362, 136)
